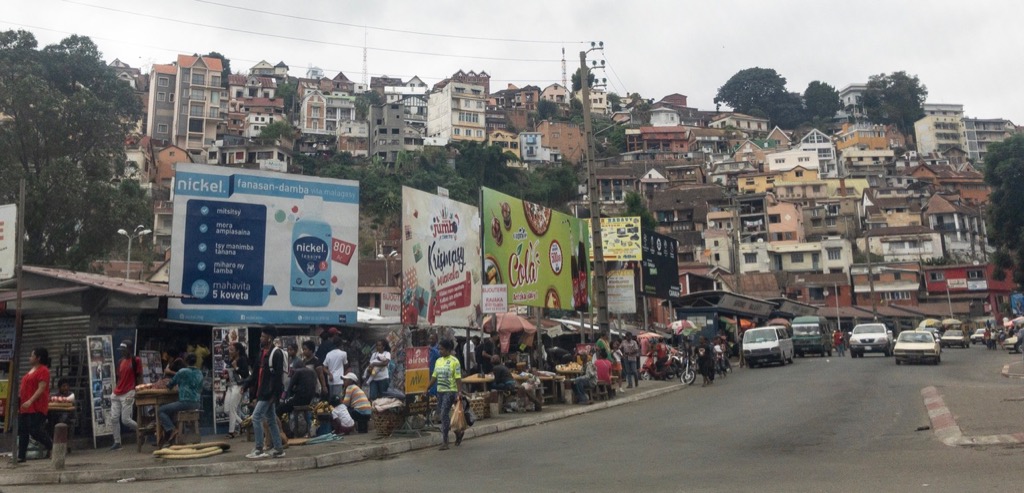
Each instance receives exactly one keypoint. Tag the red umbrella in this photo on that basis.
(511, 322)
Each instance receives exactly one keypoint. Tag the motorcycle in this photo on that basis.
(679, 365)
(688, 371)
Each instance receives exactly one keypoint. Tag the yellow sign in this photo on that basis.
(620, 238)
(417, 381)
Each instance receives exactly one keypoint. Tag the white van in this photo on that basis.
(767, 345)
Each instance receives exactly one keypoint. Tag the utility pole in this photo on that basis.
(871, 275)
(600, 278)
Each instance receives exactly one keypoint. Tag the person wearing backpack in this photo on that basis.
(268, 379)
(122, 402)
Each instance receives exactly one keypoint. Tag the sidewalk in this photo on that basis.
(978, 415)
(94, 466)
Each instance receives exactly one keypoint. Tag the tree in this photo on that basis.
(67, 120)
(226, 65)
(576, 86)
(546, 110)
(364, 101)
(754, 90)
(641, 109)
(635, 206)
(615, 100)
(788, 111)
(1004, 172)
(821, 100)
(287, 91)
(895, 99)
(277, 129)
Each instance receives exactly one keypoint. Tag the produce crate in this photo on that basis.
(387, 422)
(478, 404)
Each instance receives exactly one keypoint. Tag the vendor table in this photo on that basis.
(151, 424)
(480, 383)
(551, 386)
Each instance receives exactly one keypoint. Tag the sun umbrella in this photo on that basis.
(951, 321)
(649, 335)
(680, 325)
(780, 321)
(511, 322)
(929, 322)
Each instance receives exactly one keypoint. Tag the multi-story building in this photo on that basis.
(162, 102)
(831, 255)
(686, 208)
(852, 99)
(818, 142)
(753, 151)
(556, 93)
(905, 243)
(242, 87)
(751, 125)
(313, 113)
(941, 128)
(456, 111)
(265, 69)
(340, 108)
(892, 284)
(201, 105)
(390, 134)
(787, 160)
(966, 182)
(867, 163)
(869, 136)
(962, 227)
(973, 283)
(232, 150)
(566, 137)
(785, 222)
(753, 217)
(507, 141)
(354, 138)
(598, 101)
(982, 132)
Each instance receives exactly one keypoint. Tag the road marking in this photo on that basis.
(948, 431)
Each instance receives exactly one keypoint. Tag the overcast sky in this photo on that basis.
(964, 52)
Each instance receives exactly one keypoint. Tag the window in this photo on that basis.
(195, 124)
(162, 129)
(749, 258)
(797, 258)
(834, 253)
(197, 94)
(716, 243)
(161, 96)
(896, 276)
(936, 276)
(198, 78)
(830, 221)
(975, 274)
(170, 97)
(774, 219)
(162, 82)
(215, 80)
(799, 173)
(458, 131)
(816, 294)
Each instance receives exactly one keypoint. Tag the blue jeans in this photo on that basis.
(445, 401)
(378, 388)
(629, 372)
(580, 386)
(265, 412)
(507, 385)
(167, 409)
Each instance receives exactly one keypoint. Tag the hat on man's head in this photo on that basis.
(333, 331)
(126, 345)
(350, 376)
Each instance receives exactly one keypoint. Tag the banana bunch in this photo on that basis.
(246, 423)
(323, 407)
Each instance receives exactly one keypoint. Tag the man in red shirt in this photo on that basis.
(604, 367)
(129, 374)
(34, 396)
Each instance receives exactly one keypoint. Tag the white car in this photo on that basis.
(917, 346)
(978, 336)
(871, 338)
(954, 337)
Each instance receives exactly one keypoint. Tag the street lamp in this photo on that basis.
(139, 232)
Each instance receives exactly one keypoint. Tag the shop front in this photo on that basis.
(712, 312)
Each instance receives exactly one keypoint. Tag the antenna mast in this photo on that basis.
(364, 56)
(564, 84)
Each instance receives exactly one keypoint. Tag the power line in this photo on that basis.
(616, 74)
(235, 59)
(385, 29)
(306, 40)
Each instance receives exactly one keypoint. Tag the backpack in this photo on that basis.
(284, 362)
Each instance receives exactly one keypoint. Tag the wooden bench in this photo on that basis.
(185, 420)
(603, 391)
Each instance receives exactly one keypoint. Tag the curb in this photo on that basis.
(948, 431)
(15, 477)
(1006, 371)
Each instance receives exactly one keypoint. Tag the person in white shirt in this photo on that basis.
(335, 362)
(469, 354)
(380, 378)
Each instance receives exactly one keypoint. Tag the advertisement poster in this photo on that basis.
(222, 338)
(417, 370)
(390, 304)
(6, 339)
(1017, 303)
(495, 298)
(232, 229)
(620, 237)
(440, 261)
(541, 255)
(152, 366)
(660, 267)
(8, 240)
(101, 383)
(621, 291)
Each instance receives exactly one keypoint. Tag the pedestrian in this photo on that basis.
(705, 361)
(359, 408)
(987, 338)
(469, 354)
(269, 384)
(446, 377)
(300, 393)
(34, 396)
(335, 363)
(602, 344)
(380, 377)
(617, 362)
(326, 342)
(238, 373)
(630, 352)
(122, 401)
(586, 381)
(189, 382)
(839, 343)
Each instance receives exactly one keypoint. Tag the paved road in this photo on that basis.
(821, 424)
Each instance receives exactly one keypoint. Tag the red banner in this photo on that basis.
(342, 251)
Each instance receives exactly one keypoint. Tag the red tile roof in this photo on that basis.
(165, 69)
(209, 62)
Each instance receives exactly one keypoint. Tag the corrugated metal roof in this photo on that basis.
(40, 293)
(123, 286)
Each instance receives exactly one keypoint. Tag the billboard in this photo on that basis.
(440, 260)
(660, 266)
(620, 237)
(526, 247)
(257, 247)
(621, 291)
(8, 240)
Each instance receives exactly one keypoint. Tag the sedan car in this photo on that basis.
(955, 337)
(872, 337)
(917, 346)
(978, 336)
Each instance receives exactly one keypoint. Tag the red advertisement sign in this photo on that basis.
(417, 370)
(342, 251)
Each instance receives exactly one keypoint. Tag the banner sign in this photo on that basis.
(956, 283)
(101, 384)
(8, 240)
(660, 266)
(222, 338)
(390, 304)
(495, 298)
(440, 259)
(620, 237)
(6, 339)
(231, 230)
(417, 370)
(152, 366)
(541, 255)
(621, 291)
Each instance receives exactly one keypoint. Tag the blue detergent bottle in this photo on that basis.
(311, 257)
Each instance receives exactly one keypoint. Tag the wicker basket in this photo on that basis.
(479, 407)
(386, 422)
